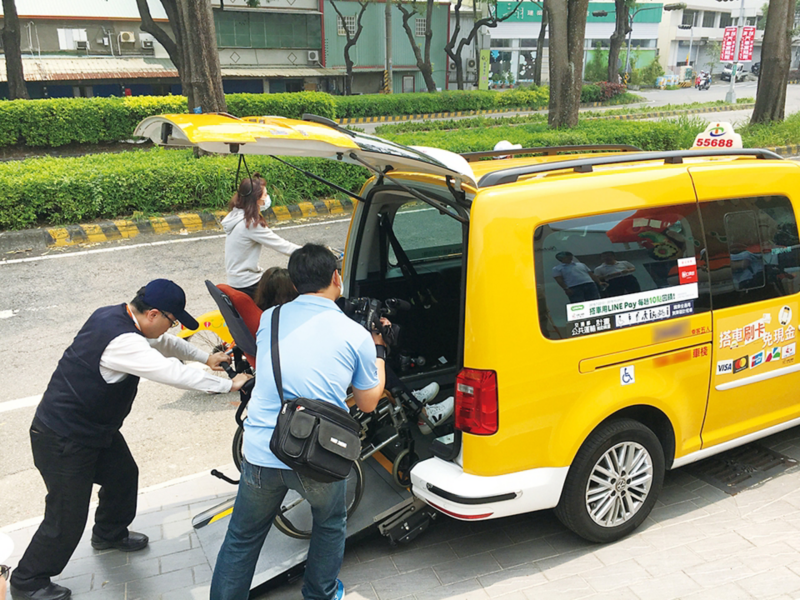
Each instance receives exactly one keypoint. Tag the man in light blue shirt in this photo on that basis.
(322, 353)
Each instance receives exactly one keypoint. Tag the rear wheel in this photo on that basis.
(294, 517)
(237, 447)
(210, 342)
(613, 482)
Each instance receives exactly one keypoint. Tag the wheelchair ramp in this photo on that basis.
(283, 557)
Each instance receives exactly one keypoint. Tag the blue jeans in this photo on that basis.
(261, 491)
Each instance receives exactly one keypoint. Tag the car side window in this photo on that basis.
(619, 270)
(753, 250)
(425, 234)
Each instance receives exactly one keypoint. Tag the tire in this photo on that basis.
(601, 511)
(401, 468)
(237, 448)
(210, 342)
(294, 517)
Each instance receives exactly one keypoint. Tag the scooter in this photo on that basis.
(703, 81)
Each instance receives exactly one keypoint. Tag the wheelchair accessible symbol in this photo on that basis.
(627, 376)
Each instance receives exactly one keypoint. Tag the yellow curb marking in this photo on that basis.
(334, 206)
(94, 233)
(191, 221)
(307, 209)
(281, 213)
(60, 237)
(127, 229)
(159, 224)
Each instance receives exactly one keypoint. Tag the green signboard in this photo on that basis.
(483, 70)
(529, 12)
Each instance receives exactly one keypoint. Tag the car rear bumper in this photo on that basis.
(445, 486)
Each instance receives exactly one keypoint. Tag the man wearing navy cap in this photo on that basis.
(75, 434)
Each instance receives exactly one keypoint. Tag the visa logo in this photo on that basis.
(724, 367)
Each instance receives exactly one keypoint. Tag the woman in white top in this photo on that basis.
(246, 231)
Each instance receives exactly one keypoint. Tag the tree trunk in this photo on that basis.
(537, 63)
(621, 29)
(201, 57)
(351, 41)
(567, 31)
(174, 47)
(776, 57)
(449, 47)
(14, 72)
(423, 63)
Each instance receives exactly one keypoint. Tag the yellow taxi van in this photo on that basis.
(601, 314)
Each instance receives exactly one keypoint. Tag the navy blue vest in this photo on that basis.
(78, 403)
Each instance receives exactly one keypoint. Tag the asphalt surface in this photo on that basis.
(43, 303)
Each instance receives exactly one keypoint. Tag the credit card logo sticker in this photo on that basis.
(788, 350)
(756, 359)
(724, 367)
(740, 364)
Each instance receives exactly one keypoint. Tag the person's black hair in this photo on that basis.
(138, 302)
(311, 268)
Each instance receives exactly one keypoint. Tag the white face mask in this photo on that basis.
(267, 203)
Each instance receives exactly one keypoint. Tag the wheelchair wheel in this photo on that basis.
(237, 447)
(210, 342)
(401, 467)
(294, 517)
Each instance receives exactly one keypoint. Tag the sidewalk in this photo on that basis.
(699, 542)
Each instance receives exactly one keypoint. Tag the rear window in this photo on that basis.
(619, 270)
(425, 234)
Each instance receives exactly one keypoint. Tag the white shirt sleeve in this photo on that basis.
(268, 238)
(133, 354)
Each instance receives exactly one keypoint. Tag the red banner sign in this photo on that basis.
(746, 45)
(728, 45)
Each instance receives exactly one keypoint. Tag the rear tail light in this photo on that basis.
(476, 402)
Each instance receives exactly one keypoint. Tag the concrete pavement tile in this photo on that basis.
(202, 574)
(463, 590)
(160, 516)
(542, 524)
(680, 512)
(780, 509)
(359, 591)
(376, 546)
(771, 583)
(616, 576)
(569, 565)
(154, 533)
(79, 585)
(176, 529)
(568, 542)
(569, 588)
(728, 591)
(444, 529)
(669, 561)
(481, 542)
(131, 572)
(507, 581)
(708, 496)
(624, 549)
(719, 546)
(718, 572)
(678, 477)
(95, 563)
(674, 494)
(183, 560)
(511, 556)
(668, 587)
(113, 592)
(164, 547)
(288, 591)
(764, 558)
(762, 534)
(195, 593)
(466, 568)
(618, 594)
(665, 538)
(429, 556)
(398, 586)
(368, 571)
(147, 589)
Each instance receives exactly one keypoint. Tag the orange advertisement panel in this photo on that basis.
(755, 343)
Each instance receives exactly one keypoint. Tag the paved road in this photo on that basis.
(44, 302)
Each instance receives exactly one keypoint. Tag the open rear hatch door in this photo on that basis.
(315, 137)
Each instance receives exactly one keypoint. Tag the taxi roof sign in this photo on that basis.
(718, 135)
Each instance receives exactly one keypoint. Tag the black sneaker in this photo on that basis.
(51, 592)
(132, 543)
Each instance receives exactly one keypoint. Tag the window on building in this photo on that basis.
(709, 17)
(528, 43)
(420, 26)
(619, 270)
(350, 22)
(751, 21)
(753, 250)
(689, 17)
(725, 20)
(501, 43)
(267, 30)
(72, 39)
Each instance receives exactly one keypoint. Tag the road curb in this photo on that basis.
(672, 113)
(120, 229)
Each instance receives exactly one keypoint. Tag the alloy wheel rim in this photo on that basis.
(619, 484)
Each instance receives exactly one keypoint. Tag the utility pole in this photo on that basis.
(730, 97)
(388, 83)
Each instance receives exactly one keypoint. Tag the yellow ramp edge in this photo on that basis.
(334, 206)
(60, 237)
(307, 209)
(191, 221)
(281, 213)
(94, 233)
(127, 229)
(159, 225)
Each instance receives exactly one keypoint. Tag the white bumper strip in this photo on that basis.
(532, 490)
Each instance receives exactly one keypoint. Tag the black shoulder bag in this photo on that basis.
(315, 438)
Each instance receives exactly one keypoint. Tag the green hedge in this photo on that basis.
(73, 190)
(55, 122)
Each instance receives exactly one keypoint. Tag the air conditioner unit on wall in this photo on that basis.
(127, 37)
(452, 66)
(81, 45)
(471, 63)
(147, 43)
(313, 56)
